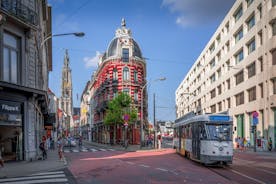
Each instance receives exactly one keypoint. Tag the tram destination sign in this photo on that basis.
(10, 107)
(219, 118)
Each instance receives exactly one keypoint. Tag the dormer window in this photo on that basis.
(125, 55)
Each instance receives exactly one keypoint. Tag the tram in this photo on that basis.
(204, 138)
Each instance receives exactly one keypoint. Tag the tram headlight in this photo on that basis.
(220, 148)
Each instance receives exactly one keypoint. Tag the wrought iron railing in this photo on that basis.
(19, 10)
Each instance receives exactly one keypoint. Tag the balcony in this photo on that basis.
(17, 9)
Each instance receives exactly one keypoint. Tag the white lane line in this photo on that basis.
(162, 169)
(142, 165)
(256, 180)
(43, 173)
(111, 149)
(76, 151)
(84, 150)
(32, 177)
(67, 151)
(103, 149)
(54, 180)
(94, 150)
(270, 172)
(131, 163)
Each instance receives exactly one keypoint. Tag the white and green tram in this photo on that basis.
(204, 138)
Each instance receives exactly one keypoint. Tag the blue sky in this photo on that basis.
(170, 33)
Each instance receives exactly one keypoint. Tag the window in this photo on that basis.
(218, 39)
(10, 64)
(219, 89)
(251, 22)
(251, 46)
(249, 2)
(238, 35)
(229, 103)
(274, 85)
(238, 13)
(213, 93)
(261, 63)
(115, 74)
(239, 77)
(261, 90)
(251, 94)
(239, 99)
(212, 48)
(228, 84)
(273, 3)
(227, 27)
(251, 70)
(219, 107)
(274, 57)
(126, 91)
(125, 74)
(227, 46)
(219, 56)
(273, 25)
(219, 72)
(125, 54)
(260, 10)
(260, 34)
(212, 63)
(115, 93)
(239, 56)
(228, 65)
(213, 78)
(135, 75)
(136, 95)
(213, 108)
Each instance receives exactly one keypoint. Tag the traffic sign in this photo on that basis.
(255, 114)
(255, 121)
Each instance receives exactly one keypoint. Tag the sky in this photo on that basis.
(170, 33)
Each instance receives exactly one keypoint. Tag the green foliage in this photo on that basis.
(117, 108)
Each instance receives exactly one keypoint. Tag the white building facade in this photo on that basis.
(236, 71)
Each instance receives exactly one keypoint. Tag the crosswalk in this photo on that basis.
(84, 149)
(44, 177)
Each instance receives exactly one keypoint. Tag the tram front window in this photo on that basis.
(219, 132)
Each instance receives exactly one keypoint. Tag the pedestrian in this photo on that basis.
(43, 150)
(60, 148)
(80, 141)
(244, 144)
(270, 144)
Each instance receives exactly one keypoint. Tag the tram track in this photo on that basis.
(216, 171)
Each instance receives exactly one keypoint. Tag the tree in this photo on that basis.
(117, 108)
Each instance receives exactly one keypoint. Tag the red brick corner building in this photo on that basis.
(121, 69)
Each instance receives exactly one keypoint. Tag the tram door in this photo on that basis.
(196, 141)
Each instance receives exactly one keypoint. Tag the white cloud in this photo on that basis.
(92, 61)
(196, 12)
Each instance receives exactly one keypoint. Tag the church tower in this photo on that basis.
(66, 99)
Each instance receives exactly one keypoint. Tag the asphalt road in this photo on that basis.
(165, 166)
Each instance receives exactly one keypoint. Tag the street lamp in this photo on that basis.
(142, 116)
(78, 34)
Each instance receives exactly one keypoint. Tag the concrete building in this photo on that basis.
(25, 61)
(236, 71)
(121, 69)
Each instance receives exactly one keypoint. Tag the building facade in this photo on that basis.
(121, 69)
(66, 99)
(25, 60)
(236, 71)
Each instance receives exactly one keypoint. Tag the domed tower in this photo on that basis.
(121, 69)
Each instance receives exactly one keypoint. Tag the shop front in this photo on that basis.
(11, 130)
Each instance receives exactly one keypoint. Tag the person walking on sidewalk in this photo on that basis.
(43, 150)
(270, 144)
(60, 148)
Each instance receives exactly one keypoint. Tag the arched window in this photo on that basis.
(115, 74)
(125, 74)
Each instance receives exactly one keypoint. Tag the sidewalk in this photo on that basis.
(23, 168)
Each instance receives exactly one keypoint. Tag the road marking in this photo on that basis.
(256, 180)
(142, 165)
(84, 150)
(94, 150)
(162, 169)
(270, 172)
(67, 151)
(33, 177)
(53, 180)
(102, 149)
(76, 151)
(131, 163)
(111, 149)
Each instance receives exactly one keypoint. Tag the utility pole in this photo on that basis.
(154, 123)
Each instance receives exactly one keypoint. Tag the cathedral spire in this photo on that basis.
(123, 23)
(66, 59)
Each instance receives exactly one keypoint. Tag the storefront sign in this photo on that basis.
(10, 107)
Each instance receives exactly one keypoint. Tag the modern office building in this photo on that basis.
(236, 71)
